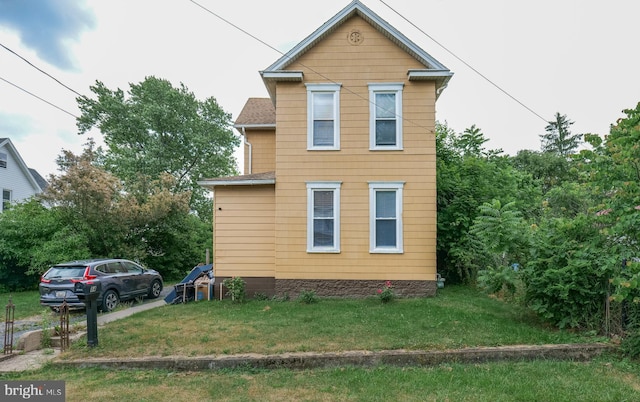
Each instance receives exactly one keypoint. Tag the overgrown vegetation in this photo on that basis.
(138, 198)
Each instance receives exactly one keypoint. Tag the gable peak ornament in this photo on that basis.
(355, 37)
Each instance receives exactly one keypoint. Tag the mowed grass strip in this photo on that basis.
(458, 317)
(602, 380)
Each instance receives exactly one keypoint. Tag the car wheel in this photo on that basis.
(110, 300)
(155, 289)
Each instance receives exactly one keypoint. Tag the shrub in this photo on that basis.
(386, 293)
(308, 297)
(630, 345)
(236, 288)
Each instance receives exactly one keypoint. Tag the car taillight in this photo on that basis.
(85, 277)
(43, 280)
(88, 277)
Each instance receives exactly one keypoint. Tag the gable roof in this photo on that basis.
(434, 70)
(257, 113)
(37, 186)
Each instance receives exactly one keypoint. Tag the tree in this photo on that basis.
(471, 142)
(558, 138)
(157, 230)
(467, 177)
(159, 129)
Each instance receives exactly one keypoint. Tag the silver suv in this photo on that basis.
(120, 280)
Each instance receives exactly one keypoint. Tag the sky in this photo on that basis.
(575, 57)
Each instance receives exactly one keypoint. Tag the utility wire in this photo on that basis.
(37, 97)
(466, 64)
(283, 54)
(41, 70)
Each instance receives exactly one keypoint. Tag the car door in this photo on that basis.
(136, 277)
(121, 279)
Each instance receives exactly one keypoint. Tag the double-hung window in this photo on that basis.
(323, 116)
(323, 217)
(6, 199)
(385, 211)
(385, 114)
(3, 160)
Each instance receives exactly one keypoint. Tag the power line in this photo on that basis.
(301, 64)
(37, 97)
(41, 70)
(466, 64)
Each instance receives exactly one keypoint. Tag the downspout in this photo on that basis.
(439, 90)
(244, 138)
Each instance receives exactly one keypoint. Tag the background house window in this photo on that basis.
(6, 199)
(323, 120)
(3, 160)
(385, 113)
(385, 213)
(323, 217)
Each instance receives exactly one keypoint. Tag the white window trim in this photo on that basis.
(3, 160)
(328, 88)
(324, 185)
(385, 88)
(398, 186)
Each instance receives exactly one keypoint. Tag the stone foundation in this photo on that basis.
(352, 288)
(327, 287)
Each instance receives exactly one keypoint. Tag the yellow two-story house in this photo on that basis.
(339, 190)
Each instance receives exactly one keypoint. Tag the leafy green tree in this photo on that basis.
(157, 230)
(157, 128)
(471, 142)
(32, 238)
(467, 177)
(548, 168)
(558, 138)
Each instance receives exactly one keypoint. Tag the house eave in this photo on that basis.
(212, 184)
(440, 77)
(271, 77)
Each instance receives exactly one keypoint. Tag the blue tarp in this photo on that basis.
(195, 273)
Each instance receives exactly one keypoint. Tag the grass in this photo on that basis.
(27, 304)
(602, 380)
(458, 317)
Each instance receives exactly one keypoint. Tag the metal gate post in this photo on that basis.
(8, 327)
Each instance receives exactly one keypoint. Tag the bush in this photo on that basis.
(630, 345)
(236, 288)
(308, 297)
(386, 293)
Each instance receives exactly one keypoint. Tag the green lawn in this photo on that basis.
(457, 317)
(27, 304)
(601, 380)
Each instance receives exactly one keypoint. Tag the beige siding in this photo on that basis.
(244, 231)
(262, 154)
(376, 60)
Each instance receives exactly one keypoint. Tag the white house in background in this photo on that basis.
(17, 182)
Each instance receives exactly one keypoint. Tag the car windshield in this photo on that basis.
(65, 272)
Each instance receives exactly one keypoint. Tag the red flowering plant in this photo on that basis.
(386, 294)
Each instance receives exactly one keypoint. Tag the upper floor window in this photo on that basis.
(385, 212)
(323, 116)
(323, 217)
(6, 199)
(385, 116)
(3, 160)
